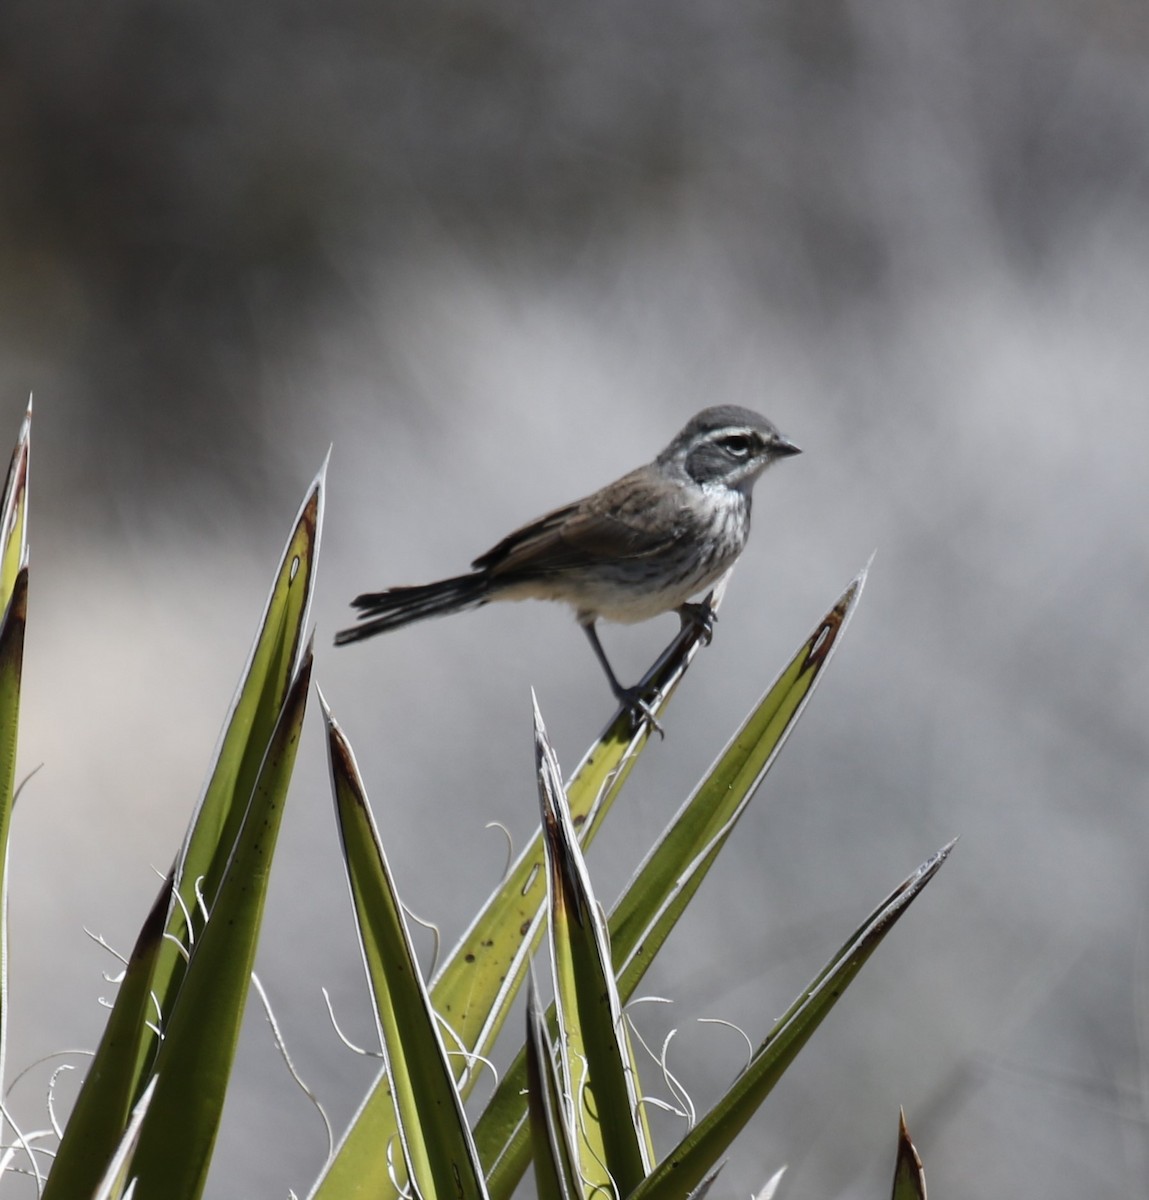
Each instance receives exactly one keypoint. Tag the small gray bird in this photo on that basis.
(640, 546)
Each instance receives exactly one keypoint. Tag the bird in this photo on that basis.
(641, 546)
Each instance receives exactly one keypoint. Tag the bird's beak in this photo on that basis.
(783, 447)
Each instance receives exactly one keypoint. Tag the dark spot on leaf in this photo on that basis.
(823, 641)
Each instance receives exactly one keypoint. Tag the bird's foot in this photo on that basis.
(640, 711)
(699, 614)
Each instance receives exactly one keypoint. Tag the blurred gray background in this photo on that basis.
(496, 254)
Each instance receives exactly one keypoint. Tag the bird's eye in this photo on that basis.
(737, 445)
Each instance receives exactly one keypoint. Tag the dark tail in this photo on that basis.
(383, 611)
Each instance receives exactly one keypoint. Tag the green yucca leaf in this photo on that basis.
(14, 606)
(103, 1107)
(474, 989)
(478, 981)
(195, 1058)
(909, 1175)
(556, 1170)
(273, 661)
(679, 861)
(696, 1153)
(11, 669)
(436, 1142)
(91, 1136)
(601, 1077)
(116, 1182)
(673, 871)
(14, 512)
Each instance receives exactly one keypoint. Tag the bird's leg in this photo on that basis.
(629, 698)
(699, 614)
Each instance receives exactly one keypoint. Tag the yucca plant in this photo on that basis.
(146, 1118)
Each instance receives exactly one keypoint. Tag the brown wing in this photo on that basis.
(616, 523)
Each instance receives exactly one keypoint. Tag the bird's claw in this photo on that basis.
(699, 614)
(639, 710)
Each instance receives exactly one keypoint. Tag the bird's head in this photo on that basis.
(727, 445)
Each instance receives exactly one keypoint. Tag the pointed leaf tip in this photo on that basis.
(909, 1173)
